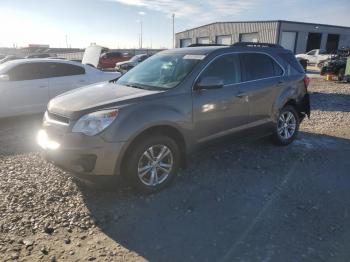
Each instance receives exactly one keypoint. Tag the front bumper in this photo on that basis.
(83, 155)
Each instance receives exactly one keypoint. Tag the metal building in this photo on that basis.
(296, 36)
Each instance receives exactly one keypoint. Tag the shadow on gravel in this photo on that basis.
(252, 202)
(330, 102)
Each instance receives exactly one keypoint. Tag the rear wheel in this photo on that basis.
(153, 163)
(287, 126)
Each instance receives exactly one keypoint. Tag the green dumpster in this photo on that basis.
(347, 70)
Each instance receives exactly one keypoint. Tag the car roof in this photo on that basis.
(41, 60)
(200, 50)
(206, 50)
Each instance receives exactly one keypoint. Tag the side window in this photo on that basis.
(226, 67)
(313, 52)
(258, 66)
(62, 69)
(28, 71)
(114, 55)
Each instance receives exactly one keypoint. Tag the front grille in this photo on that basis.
(58, 118)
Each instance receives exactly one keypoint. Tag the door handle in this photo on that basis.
(82, 81)
(42, 86)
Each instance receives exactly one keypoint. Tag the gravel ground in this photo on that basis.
(251, 202)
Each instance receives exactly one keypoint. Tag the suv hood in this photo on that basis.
(78, 101)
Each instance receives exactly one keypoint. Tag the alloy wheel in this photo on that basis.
(155, 165)
(286, 125)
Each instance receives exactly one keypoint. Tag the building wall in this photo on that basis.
(304, 30)
(267, 31)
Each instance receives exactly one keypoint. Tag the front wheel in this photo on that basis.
(153, 163)
(287, 126)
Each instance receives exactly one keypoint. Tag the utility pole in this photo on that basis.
(141, 35)
(173, 30)
(66, 41)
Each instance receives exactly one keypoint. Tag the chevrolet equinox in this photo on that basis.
(143, 125)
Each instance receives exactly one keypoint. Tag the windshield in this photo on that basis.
(135, 58)
(162, 71)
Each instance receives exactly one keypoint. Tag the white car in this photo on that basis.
(315, 56)
(27, 85)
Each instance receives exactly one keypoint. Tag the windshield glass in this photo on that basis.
(135, 58)
(162, 71)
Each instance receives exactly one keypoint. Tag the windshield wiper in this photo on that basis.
(135, 86)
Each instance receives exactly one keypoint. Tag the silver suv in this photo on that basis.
(143, 125)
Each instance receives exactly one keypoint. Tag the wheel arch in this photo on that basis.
(164, 129)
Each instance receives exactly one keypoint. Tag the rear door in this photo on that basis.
(218, 112)
(65, 77)
(26, 92)
(262, 77)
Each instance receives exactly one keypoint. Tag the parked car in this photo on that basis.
(316, 56)
(143, 125)
(110, 59)
(40, 55)
(10, 58)
(27, 85)
(125, 66)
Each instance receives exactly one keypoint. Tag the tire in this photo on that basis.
(147, 174)
(284, 132)
(341, 74)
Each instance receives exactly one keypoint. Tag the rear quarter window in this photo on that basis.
(292, 66)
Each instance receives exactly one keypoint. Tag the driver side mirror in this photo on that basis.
(4, 78)
(209, 83)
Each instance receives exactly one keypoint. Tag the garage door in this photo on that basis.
(203, 40)
(185, 42)
(224, 40)
(250, 37)
(288, 40)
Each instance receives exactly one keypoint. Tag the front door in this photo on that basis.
(26, 91)
(217, 112)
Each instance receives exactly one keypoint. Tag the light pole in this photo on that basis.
(173, 30)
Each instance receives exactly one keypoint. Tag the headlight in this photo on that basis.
(94, 123)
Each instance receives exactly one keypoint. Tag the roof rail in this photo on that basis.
(196, 45)
(255, 44)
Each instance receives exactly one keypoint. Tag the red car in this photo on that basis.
(109, 59)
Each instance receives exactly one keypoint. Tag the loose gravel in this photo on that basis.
(225, 196)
